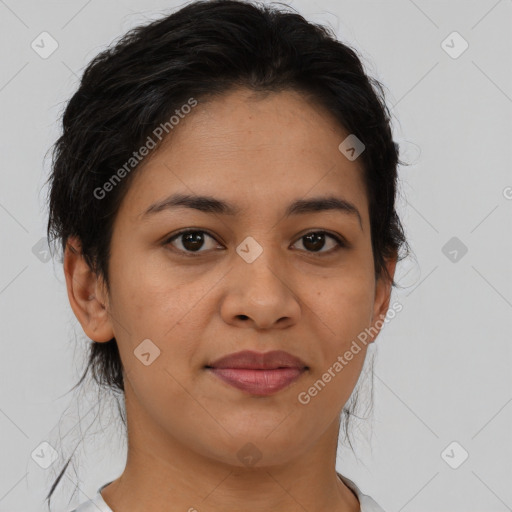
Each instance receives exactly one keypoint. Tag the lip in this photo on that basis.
(252, 360)
(258, 373)
(258, 382)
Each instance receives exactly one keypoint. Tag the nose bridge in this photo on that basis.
(259, 290)
(258, 261)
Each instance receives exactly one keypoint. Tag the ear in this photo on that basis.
(382, 298)
(87, 294)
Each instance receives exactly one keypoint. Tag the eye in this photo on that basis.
(315, 240)
(191, 240)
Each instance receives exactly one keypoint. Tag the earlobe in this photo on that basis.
(86, 293)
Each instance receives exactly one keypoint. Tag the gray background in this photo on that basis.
(442, 370)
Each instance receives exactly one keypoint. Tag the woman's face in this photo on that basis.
(248, 278)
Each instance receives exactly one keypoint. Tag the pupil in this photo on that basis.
(317, 240)
(194, 240)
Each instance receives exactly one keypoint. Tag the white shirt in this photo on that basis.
(98, 504)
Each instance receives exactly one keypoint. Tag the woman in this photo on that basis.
(223, 193)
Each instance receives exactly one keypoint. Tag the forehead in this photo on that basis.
(253, 150)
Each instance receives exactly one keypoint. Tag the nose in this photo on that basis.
(261, 294)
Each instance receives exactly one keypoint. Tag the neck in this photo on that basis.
(163, 474)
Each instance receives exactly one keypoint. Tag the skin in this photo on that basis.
(186, 426)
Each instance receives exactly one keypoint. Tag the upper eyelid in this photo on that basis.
(185, 231)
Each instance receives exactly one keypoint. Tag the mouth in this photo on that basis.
(258, 373)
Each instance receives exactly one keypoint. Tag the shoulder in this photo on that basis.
(367, 503)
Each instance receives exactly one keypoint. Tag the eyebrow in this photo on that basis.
(208, 204)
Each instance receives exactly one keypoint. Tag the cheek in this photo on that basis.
(344, 304)
(342, 311)
(149, 294)
(154, 302)
(345, 314)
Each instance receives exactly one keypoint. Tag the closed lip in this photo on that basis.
(252, 360)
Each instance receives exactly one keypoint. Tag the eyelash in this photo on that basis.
(340, 242)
